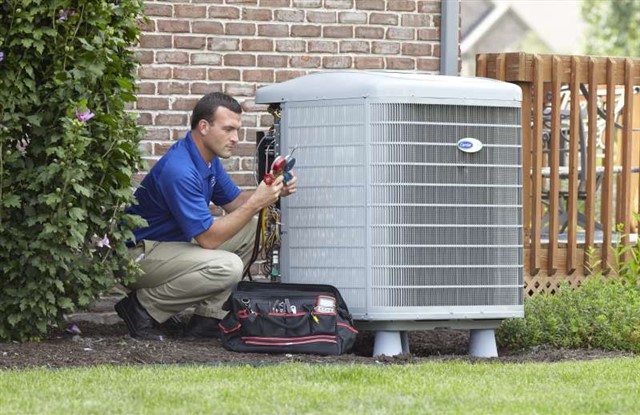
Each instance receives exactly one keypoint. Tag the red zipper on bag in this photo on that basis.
(290, 342)
(345, 325)
(286, 341)
(231, 330)
(266, 338)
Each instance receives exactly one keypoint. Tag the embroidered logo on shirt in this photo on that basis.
(212, 182)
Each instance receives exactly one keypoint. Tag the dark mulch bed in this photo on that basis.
(110, 344)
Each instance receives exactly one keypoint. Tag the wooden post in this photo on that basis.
(536, 188)
(607, 185)
(527, 155)
(481, 65)
(574, 144)
(590, 208)
(636, 154)
(554, 165)
(501, 68)
(627, 150)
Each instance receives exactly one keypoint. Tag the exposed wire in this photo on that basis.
(270, 237)
(256, 159)
(268, 232)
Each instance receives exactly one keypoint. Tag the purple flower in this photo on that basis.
(104, 242)
(73, 329)
(22, 145)
(65, 15)
(84, 116)
(1, 56)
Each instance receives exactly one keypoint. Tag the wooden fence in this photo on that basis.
(581, 156)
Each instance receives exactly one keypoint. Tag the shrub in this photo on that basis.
(601, 313)
(68, 151)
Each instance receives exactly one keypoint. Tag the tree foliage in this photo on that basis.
(68, 151)
(613, 27)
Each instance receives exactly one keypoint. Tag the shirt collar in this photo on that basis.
(198, 161)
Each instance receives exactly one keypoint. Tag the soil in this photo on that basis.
(91, 344)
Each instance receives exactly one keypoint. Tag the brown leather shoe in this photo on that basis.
(201, 327)
(140, 324)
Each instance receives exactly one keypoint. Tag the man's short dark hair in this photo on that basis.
(208, 104)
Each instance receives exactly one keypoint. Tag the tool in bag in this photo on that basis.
(287, 318)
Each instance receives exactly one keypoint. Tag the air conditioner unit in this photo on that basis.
(409, 198)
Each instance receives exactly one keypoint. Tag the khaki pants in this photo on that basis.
(178, 275)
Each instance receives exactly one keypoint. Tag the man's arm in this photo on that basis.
(240, 200)
(287, 189)
(240, 211)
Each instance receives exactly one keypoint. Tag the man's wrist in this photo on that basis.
(251, 206)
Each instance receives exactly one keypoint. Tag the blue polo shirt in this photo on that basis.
(174, 197)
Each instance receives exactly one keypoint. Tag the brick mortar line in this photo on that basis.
(275, 52)
(225, 20)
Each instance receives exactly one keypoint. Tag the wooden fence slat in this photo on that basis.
(527, 155)
(592, 123)
(607, 185)
(636, 127)
(554, 166)
(574, 144)
(515, 66)
(627, 151)
(536, 188)
(501, 67)
(617, 194)
(481, 65)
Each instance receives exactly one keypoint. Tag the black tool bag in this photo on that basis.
(287, 318)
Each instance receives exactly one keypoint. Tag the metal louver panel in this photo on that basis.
(325, 225)
(388, 209)
(446, 226)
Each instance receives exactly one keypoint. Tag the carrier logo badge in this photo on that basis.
(469, 145)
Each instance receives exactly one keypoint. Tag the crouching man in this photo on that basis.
(187, 257)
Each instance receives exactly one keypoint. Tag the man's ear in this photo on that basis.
(203, 126)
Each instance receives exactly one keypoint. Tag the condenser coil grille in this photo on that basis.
(444, 214)
(326, 225)
(389, 209)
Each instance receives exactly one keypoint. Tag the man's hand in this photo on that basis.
(266, 194)
(240, 211)
(289, 187)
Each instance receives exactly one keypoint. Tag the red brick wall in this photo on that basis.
(192, 47)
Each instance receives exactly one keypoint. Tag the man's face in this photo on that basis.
(221, 136)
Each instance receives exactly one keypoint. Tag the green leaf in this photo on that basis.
(11, 201)
(84, 191)
(52, 199)
(27, 42)
(50, 297)
(13, 319)
(77, 213)
(35, 120)
(65, 303)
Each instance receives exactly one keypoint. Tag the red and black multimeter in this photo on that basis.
(281, 166)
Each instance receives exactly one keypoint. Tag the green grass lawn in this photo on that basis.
(588, 387)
